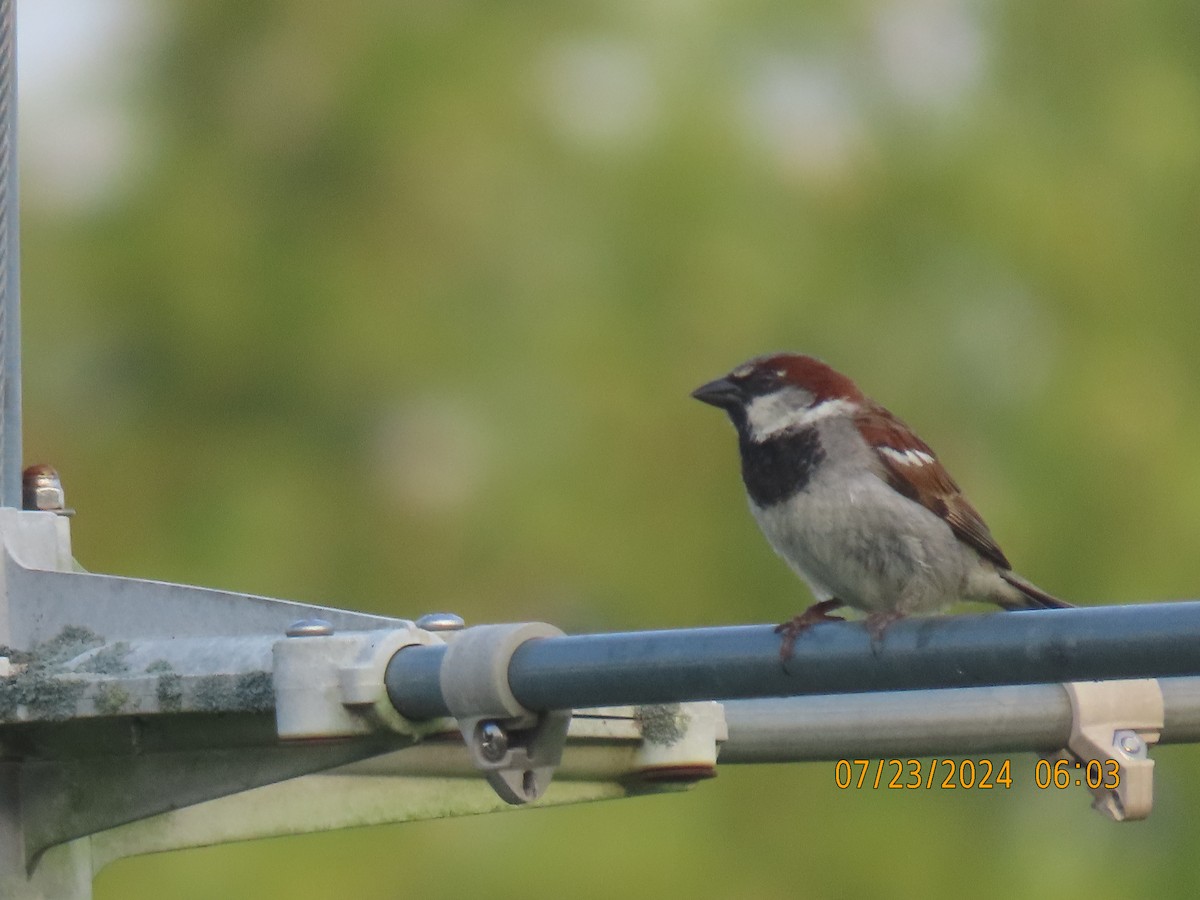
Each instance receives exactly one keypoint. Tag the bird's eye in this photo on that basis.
(781, 374)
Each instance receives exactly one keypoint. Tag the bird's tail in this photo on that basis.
(1030, 596)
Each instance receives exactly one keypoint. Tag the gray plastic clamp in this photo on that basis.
(517, 749)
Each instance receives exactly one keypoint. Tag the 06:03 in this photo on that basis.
(1061, 773)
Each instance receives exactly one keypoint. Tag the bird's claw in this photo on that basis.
(877, 624)
(797, 625)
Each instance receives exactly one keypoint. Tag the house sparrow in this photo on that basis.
(857, 504)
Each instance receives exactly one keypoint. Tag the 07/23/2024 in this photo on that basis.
(971, 774)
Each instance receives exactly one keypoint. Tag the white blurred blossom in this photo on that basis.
(597, 92)
(432, 454)
(802, 112)
(76, 59)
(931, 51)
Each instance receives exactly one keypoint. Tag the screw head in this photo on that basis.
(1130, 743)
(310, 628)
(493, 741)
(440, 621)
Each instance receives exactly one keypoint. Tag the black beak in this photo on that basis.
(721, 393)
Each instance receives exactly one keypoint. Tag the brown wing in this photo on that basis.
(913, 469)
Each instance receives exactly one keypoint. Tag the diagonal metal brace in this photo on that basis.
(1114, 722)
(517, 749)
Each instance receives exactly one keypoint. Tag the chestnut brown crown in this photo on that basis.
(767, 374)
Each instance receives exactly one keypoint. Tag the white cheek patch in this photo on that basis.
(827, 409)
(908, 457)
(789, 409)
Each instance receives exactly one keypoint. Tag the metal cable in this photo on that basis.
(10, 330)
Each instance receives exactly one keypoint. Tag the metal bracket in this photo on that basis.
(330, 685)
(1114, 722)
(516, 749)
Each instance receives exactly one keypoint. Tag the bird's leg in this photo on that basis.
(797, 625)
(878, 622)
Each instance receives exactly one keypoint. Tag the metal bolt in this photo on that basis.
(493, 741)
(440, 622)
(310, 628)
(1129, 742)
(42, 490)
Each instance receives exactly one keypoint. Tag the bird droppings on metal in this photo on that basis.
(661, 723)
(250, 692)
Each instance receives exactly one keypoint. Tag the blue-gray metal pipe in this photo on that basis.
(1043, 646)
(10, 318)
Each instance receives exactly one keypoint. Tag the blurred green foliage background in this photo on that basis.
(397, 306)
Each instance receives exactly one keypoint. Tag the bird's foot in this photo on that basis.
(878, 622)
(797, 625)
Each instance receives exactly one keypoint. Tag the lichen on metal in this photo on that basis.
(109, 660)
(662, 723)
(110, 699)
(33, 693)
(76, 674)
(246, 692)
(40, 686)
(71, 642)
(168, 686)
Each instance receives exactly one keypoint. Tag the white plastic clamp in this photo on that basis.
(330, 686)
(517, 749)
(1114, 723)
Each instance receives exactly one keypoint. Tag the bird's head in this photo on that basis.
(779, 393)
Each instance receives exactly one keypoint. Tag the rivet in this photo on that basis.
(310, 628)
(440, 621)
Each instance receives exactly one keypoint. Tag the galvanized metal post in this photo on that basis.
(10, 319)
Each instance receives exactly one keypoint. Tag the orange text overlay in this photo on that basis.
(972, 774)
